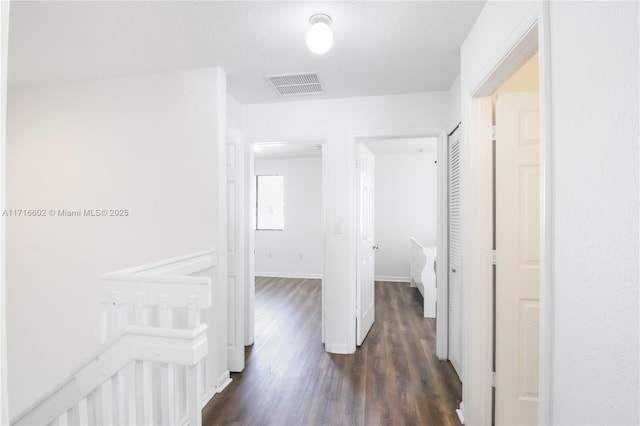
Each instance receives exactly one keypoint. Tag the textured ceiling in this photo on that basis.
(379, 47)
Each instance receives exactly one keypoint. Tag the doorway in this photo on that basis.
(396, 200)
(285, 212)
(478, 303)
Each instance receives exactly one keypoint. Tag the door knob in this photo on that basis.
(453, 270)
(375, 247)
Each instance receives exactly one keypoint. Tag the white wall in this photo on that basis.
(405, 207)
(295, 251)
(234, 115)
(594, 138)
(455, 113)
(147, 144)
(4, 44)
(594, 79)
(338, 121)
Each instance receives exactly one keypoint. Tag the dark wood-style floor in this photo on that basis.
(394, 378)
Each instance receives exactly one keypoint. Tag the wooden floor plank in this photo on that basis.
(394, 378)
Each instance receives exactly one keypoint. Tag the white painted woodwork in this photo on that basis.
(160, 346)
(518, 262)
(180, 285)
(249, 239)
(151, 367)
(442, 242)
(166, 295)
(365, 283)
(423, 276)
(455, 258)
(235, 251)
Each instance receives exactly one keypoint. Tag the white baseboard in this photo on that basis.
(460, 413)
(289, 275)
(223, 382)
(338, 348)
(393, 279)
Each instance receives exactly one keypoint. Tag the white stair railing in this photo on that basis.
(172, 294)
(421, 262)
(151, 366)
(79, 400)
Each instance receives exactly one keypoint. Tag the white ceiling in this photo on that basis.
(379, 47)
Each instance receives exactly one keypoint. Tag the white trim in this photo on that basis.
(223, 381)
(460, 412)
(478, 298)
(301, 276)
(393, 279)
(442, 291)
(477, 316)
(249, 246)
(176, 266)
(153, 344)
(339, 348)
(218, 316)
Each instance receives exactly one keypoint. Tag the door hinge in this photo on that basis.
(494, 132)
(494, 257)
(493, 379)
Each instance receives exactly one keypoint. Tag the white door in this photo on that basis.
(235, 246)
(365, 286)
(518, 258)
(455, 259)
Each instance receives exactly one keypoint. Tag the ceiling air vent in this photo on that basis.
(296, 84)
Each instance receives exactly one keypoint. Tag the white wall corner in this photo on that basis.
(4, 42)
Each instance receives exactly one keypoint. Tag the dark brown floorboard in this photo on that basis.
(394, 378)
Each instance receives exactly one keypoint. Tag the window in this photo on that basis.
(270, 203)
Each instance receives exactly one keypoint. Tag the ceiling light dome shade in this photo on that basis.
(319, 35)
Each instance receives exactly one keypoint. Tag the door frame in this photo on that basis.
(442, 263)
(249, 223)
(352, 219)
(531, 35)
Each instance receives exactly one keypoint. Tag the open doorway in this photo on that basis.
(285, 225)
(396, 191)
(527, 221)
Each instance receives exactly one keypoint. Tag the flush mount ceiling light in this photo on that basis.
(319, 36)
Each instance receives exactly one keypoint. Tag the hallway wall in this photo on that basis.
(146, 145)
(594, 77)
(336, 121)
(594, 136)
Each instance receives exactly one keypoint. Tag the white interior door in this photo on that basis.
(365, 287)
(455, 259)
(518, 258)
(235, 247)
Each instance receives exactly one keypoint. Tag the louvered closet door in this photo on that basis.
(455, 285)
